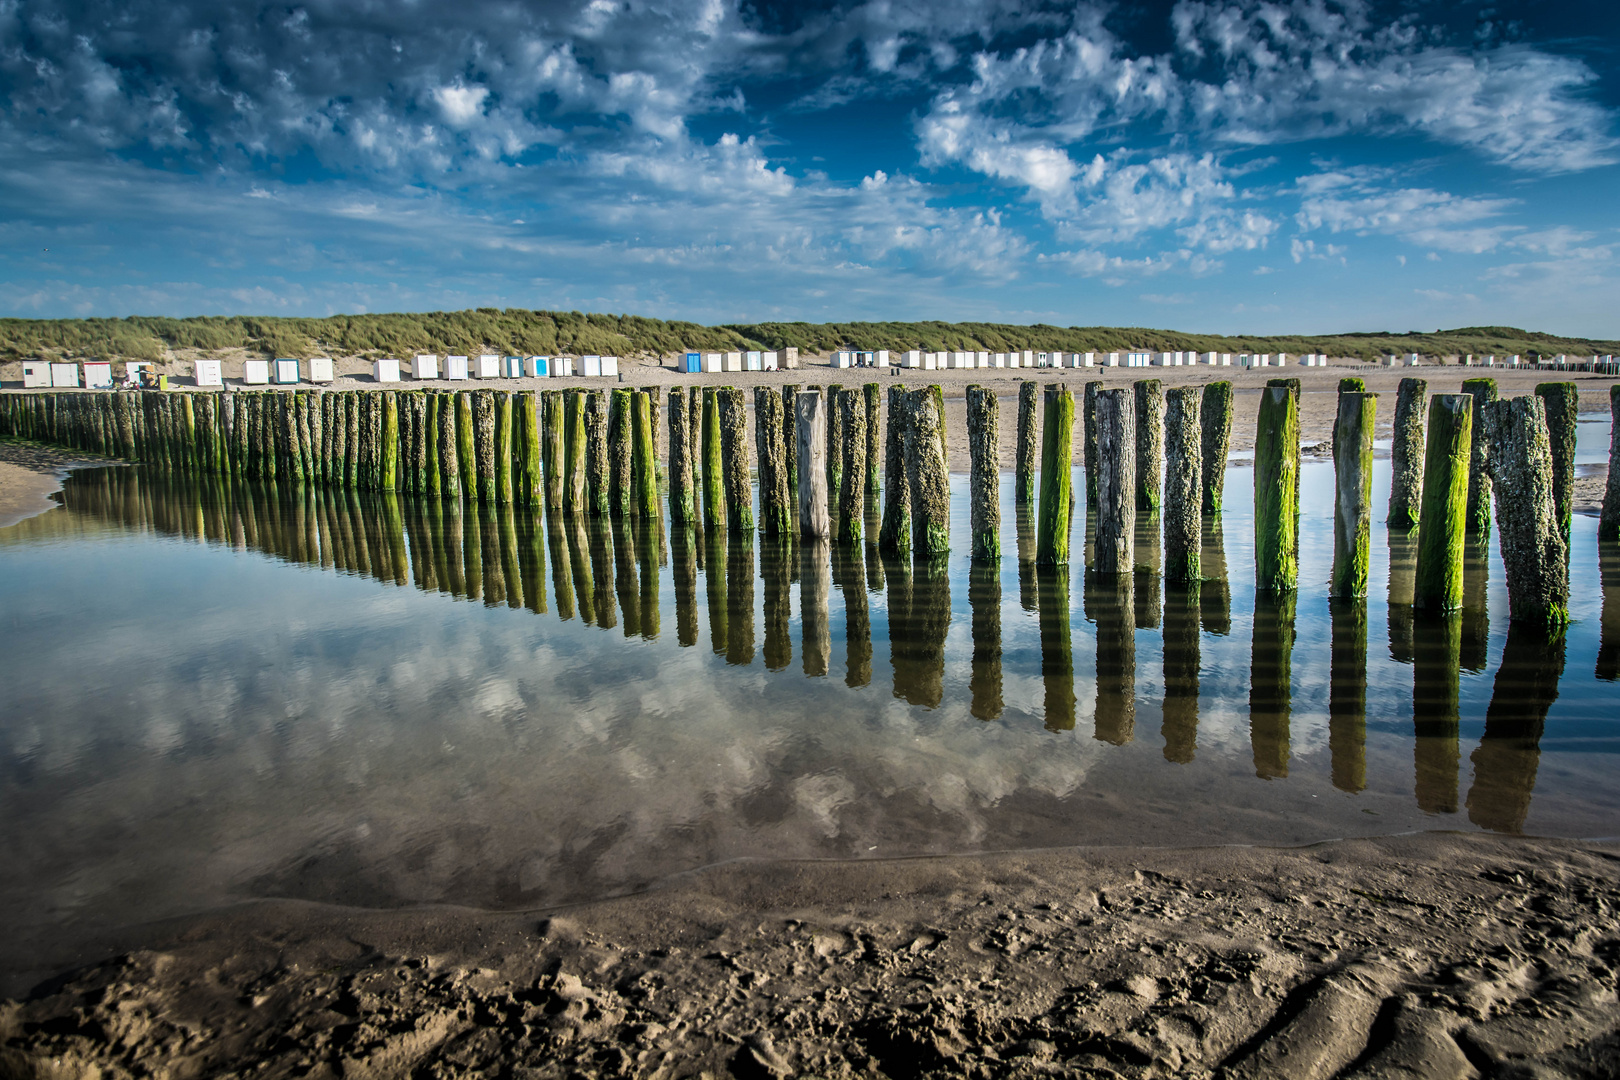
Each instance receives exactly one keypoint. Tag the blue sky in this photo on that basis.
(1216, 166)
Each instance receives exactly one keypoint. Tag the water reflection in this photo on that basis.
(1347, 692)
(1182, 612)
(815, 581)
(1149, 563)
(1215, 596)
(1110, 607)
(919, 616)
(1271, 682)
(984, 596)
(1608, 659)
(1509, 751)
(1057, 652)
(1436, 721)
(1402, 588)
(776, 558)
(849, 575)
(1476, 615)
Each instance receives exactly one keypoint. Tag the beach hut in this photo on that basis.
(610, 367)
(286, 371)
(425, 366)
(537, 367)
(385, 370)
(98, 375)
(790, 358)
(511, 367)
(753, 361)
(64, 375)
(842, 359)
(562, 367)
(203, 372)
(321, 369)
(692, 363)
(712, 362)
(455, 368)
(734, 361)
(255, 372)
(590, 366)
(488, 366)
(36, 375)
(771, 361)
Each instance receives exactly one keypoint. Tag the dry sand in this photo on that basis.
(1438, 955)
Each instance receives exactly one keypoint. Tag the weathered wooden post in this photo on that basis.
(483, 402)
(694, 434)
(598, 461)
(1445, 504)
(680, 461)
(531, 491)
(739, 490)
(449, 448)
(1089, 434)
(1483, 391)
(927, 477)
(1183, 489)
(1608, 521)
(1149, 444)
(1116, 482)
(836, 441)
(1352, 498)
(1057, 450)
(467, 445)
(503, 438)
(810, 425)
(852, 491)
(551, 446)
(894, 535)
(644, 459)
(618, 451)
(1406, 455)
(389, 442)
(1276, 467)
(1024, 477)
(776, 517)
(874, 441)
(714, 484)
(1562, 401)
(1215, 419)
(790, 440)
(575, 449)
(984, 479)
(1535, 556)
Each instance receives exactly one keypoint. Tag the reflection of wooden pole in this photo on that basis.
(1347, 693)
(1509, 752)
(1352, 502)
(984, 597)
(1535, 557)
(1181, 663)
(1116, 482)
(1435, 713)
(810, 424)
(1445, 503)
(1276, 511)
(984, 478)
(1270, 681)
(1183, 486)
(1563, 402)
(1406, 455)
(1110, 605)
(1057, 650)
(815, 559)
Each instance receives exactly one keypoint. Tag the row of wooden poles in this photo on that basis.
(606, 571)
(1145, 450)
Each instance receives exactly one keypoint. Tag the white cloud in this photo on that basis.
(460, 105)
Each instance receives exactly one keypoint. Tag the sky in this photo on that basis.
(1225, 167)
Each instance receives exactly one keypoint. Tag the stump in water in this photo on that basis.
(1149, 443)
(1563, 403)
(449, 446)
(1406, 455)
(618, 451)
(733, 412)
(926, 476)
(551, 445)
(644, 458)
(790, 438)
(484, 443)
(574, 450)
(531, 490)
(1609, 521)
(598, 464)
(466, 448)
(874, 441)
(1024, 481)
(1276, 490)
(1483, 391)
(1445, 504)
(1183, 487)
(811, 428)
(984, 478)
(894, 536)
(1057, 450)
(775, 513)
(852, 491)
(1116, 482)
(835, 450)
(1215, 422)
(714, 486)
(1535, 557)
(1352, 500)
(680, 459)
(503, 448)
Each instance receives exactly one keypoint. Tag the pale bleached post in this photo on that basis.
(1183, 486)
(810, 426)
(1116, 482)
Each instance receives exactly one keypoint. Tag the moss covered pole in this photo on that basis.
(874, 441)
(811, 428)
(984, 478)
(531, 490)
(598, 467)
(1057, 450)
(790, 440)
(894, 535)
(1608, 520)
(551, 446)
(775, 513)
(1352, 497)
(714, 486)
(927, 478)
(644, 457)
(680, 460)
(1116, 482)
(1406, 455)
(1149, 444)
(1215, 423)
(1276, 466)
(449, 448)
(739, 492)
(835, 450)
(1024, 476)
(1562, 401)
(484, 445)
(1484, 393)
(1439, 584)
(467, 444)
(1535, 557)
(852, 490)
(619, 454)
(1183, 487)
(574, 450)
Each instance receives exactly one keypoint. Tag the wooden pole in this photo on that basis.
(874, 441)
(644, 458)
(1608, 521)
(389, 480)
(984, 478)
(714, 488)
(1276, 466)
(680, 461)
(449, 447)
(1445, 504)
(531, 491)
(894, 535)
(790, 440)
(836, 441)
(852, 492)
(810, 425)
(1149, 444)
(927, 477)
(1535, 556)
(1183, 488)
(1563, 402)
(1483, 391)
(574, 436)
(1024, 468)
(1116, 482)
(551, 446)
(1352, 502)
(1406, 456)
(619, 452)
(1057, 450)
(1215, 421)
(598, 461)
(776, 518)
(467, 446)
(739, 489)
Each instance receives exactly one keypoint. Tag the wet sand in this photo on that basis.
(1437, 955)
(30, 474)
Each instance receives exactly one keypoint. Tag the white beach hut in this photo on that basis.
(321, 369)
(385, 370)
(36, 375)
(256, 372)
(455, 368)
(98, 374)
(203, 373)
(425, 366)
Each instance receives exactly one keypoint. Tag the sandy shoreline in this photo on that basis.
(1436, 955)
(31, 473)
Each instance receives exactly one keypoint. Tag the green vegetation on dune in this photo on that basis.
(548, 332)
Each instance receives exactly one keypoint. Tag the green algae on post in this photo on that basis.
(1438, 586)
(531, 480)
(1116, 483)
(1563, 403)
(852, 492)
(894, 535)
(1149, 443)
(1057, 450)
(644, 458)
(835, 450)
(927, 478)
(680, 460)
(551, 446)
(1483, 391)
(790, 437)
(874, 441)
(503, 448)
(618, 451)
(466, 444)
(984, 479)
(714, 484)
(1183, 488)
(1276, 491)
(776, 518)
(1352, 499)
(575, 438)
(734, 470)
(1024, 481)
(1535, 556)
(389, 443)
(1406, 455)
(597, 497)
(1215, 423)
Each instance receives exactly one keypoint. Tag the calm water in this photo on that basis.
(220, 693)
